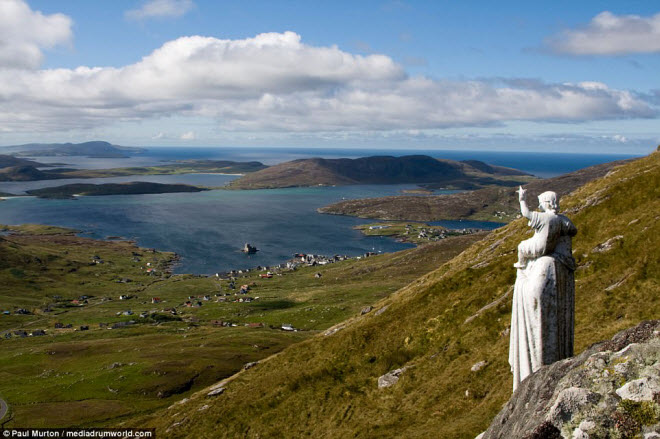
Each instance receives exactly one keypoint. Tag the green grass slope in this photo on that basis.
(439, 326)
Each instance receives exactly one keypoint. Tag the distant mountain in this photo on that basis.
(95, 149)
(373, 170)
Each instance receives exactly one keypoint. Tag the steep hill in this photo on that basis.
(377, 170)
(491, 203)
(445, 336)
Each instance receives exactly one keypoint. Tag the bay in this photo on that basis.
(208, 229)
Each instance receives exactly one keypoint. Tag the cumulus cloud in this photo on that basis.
(160, 9)
(189, 135)
(274, 82)
(609, 34)
(24, 33)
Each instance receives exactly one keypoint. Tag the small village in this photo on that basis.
(415, 233)
(231, 291)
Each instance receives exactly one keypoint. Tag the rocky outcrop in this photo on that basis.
(391, 378)
(611, 390)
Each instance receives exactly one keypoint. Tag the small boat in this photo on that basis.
(249, 249)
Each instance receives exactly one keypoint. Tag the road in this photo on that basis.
(3, 408)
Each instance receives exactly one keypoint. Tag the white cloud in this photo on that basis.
(24, 33)
(190, 135)
(274, 82)
(619, 138)
(160, 9)
(609, 34)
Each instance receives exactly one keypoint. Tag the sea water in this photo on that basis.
(208, 229)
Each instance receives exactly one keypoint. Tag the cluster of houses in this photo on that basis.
(22, 333)
(20, 311)
(298, 260)
(436, 234)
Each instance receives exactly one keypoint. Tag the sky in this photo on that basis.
(481, 75)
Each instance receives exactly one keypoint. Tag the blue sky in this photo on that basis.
(566, 76)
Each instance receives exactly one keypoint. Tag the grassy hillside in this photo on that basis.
(99, 376)
(380, 170)
(439, 327)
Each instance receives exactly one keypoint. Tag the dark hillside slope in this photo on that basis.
(10, 160)
(438, 328)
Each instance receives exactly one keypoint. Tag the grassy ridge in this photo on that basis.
(99, 376)
(439, 326)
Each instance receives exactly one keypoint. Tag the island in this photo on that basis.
(132, 188)
(26, 170)
(94, 149)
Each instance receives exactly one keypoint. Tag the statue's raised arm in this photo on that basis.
(524, 210)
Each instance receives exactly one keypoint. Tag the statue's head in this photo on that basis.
(549, 201)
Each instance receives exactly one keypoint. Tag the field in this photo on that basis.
(96, 368)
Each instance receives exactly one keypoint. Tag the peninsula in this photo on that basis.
(486, 204)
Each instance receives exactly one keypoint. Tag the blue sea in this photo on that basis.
(208, 229)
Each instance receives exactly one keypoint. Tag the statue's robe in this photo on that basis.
(543, 312)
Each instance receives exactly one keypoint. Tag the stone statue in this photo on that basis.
(542, 317)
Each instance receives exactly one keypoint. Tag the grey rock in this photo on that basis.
(391, 378)
(607, 245)
(568, 402)
(478, 366)
(366, 310)
(641, 389)
(580, 397)
(216, 392)
(250, 365)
